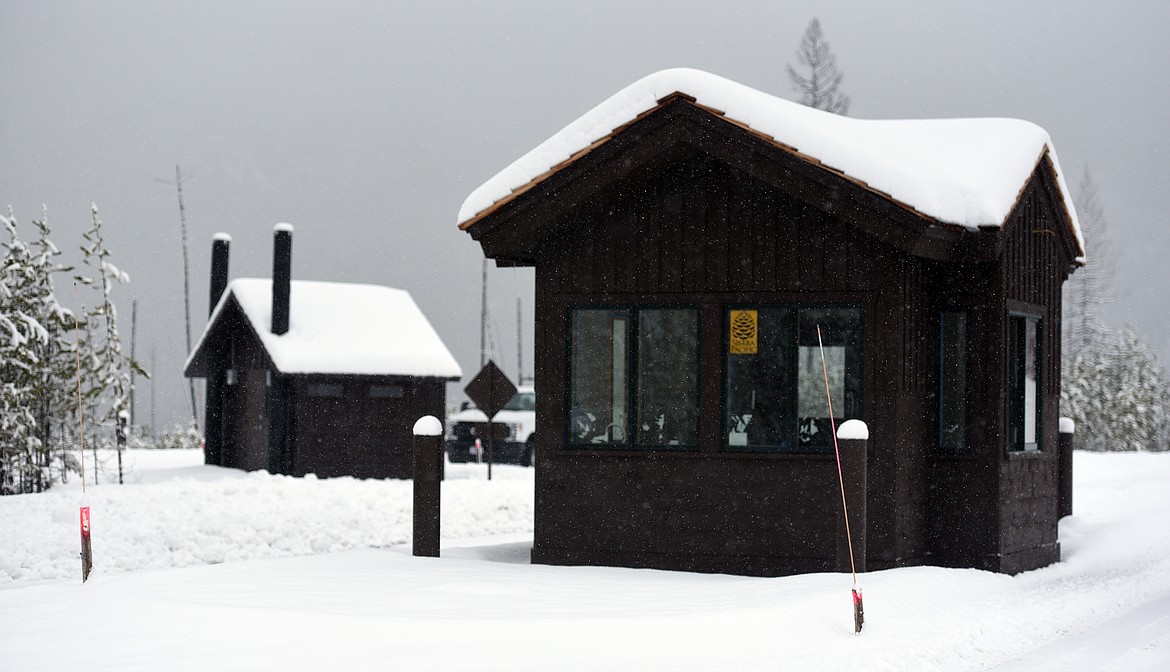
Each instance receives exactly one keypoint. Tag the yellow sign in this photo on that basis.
(745, 332)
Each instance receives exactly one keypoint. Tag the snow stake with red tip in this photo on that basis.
(86, 546)
(858, 608)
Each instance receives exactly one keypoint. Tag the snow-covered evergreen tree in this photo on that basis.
(1088, 291)
(821, 87)
(39, 358)
(55, 395)
(105, 370)
(36, 362)
(1119, 397)
(20, 335)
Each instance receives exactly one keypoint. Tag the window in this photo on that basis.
(386, 392)
(1024, 359)
(776, 398)
(326, 390)
(634, 378)
(952, 386)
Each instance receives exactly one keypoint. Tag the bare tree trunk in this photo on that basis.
(133, 342)
(186, 288)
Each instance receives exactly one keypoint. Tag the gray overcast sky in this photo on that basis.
(366, 124)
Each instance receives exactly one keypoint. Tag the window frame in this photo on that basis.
(632, 347)
(1017, 402)
(853, 406)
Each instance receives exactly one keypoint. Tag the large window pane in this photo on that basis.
(598, 377)
(1030, 406)
(776, 384)
(760, 380)
(668, 377)
(952, 389)
(634, 378)
(840, 330)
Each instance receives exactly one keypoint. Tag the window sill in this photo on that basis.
(687, 453)
(1027, 454)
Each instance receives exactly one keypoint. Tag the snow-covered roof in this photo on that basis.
(341, 328)
(965, 172)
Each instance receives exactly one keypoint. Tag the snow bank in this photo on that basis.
(199, 515)
(481, 606)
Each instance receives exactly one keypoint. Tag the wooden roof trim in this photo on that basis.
(676, 96)
(662, 102)
(1044, 159)
(1063, 204)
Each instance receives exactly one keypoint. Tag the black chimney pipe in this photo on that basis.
(281, 276)
(220, 247)
(217, 358)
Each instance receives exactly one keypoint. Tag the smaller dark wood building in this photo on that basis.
(690, 235)
(315, 377)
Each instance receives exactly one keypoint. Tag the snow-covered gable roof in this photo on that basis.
(965, 172)
(341, 328)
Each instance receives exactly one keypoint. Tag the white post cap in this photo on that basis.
(853, 430)
(1067, 426)
(428, 425)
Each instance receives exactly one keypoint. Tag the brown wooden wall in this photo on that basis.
(1034, 267)
(697, 232)
(357, 434)
(682, 208)
(353, 435)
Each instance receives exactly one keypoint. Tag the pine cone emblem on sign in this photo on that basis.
(744, 332)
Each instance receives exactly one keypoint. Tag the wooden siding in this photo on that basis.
(1034, 267)
(696, 231)
(355, 435)
(682, 209)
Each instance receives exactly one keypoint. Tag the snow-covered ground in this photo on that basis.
(201, 568)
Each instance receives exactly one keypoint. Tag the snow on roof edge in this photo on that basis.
(926, 180)
(431, 358)
(211, 319)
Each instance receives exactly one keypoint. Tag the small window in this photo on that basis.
(1024, 358)
(776, 399)
(634, 378)
(952, 387)
(326, 390)
(386, 392)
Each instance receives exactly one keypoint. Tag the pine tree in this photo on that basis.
(104, 369)
(1088, 291)
(54, 398)
(821, 88)
(38, 356)
(1118, 396)
(20, 334)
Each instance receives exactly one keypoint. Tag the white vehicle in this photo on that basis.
(514, 427)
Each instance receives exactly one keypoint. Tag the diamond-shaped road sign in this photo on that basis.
(490, 389)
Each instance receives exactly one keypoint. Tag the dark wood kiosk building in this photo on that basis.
(690, 234)
(315, 377)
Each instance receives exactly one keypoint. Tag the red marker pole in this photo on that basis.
(858, 608)
(86, 547)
